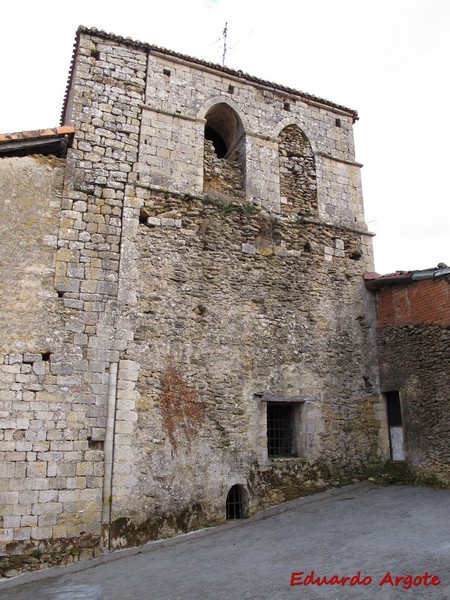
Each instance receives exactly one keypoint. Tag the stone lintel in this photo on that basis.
(265, 397)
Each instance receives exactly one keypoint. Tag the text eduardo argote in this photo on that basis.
(388, 579)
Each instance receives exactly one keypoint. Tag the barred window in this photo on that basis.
(280, 429)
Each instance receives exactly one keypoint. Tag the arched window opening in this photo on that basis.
(298, 181)
(224, 153)
(236, 504)
(224, 125)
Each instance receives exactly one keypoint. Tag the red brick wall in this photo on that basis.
(421, 302)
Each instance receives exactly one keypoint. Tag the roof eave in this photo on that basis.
(53, 141)
(309, 98)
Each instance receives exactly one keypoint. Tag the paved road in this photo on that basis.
(380, 532)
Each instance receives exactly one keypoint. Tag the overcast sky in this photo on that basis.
(388, 59)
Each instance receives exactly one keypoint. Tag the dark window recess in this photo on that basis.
(287, 106)
(394, 409)
(338, 123)
(218, 142)
(166, 72)
(231, 89)
(280, 425)
(95, 444)
(143, 216)
(235, 505)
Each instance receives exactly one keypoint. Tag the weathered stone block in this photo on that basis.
(11, 521)
(6, 535)
(37, 469)
(84, 468)
(41, 533)
(28, 520)
(45, 520)
(248, 249)
(39, 368)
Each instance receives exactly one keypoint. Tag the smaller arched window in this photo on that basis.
(298, 182)
(224, 155)
(236, 504)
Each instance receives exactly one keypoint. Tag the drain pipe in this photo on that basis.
(109, 457)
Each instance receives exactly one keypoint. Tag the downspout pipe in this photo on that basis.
(109, 457)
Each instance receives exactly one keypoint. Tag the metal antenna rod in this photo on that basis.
(225, 29)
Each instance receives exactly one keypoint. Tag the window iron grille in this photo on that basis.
(235, 505)
(280, 421)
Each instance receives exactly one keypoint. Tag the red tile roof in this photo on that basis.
(54, 140)
(36, 133)
(374, 281)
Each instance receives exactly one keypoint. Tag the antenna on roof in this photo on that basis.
(224, 34)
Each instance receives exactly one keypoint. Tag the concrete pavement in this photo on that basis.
(341, 544)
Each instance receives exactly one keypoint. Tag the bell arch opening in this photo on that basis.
(224, 128)
(224, 151)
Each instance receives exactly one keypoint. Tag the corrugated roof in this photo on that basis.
(428, 273)
(233, 73)
(374, 281)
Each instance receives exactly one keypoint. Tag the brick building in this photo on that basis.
(186, 331)
(413, 314)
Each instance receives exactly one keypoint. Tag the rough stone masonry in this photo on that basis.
(186, 331)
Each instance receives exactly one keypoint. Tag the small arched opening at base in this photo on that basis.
(236, 504)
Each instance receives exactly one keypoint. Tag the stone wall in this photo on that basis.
(231, 304)
(413, 360)
(31, 190)
(164, 316)
(69, 406)
(414, 346)
(51, 479)
(179, 95)
(222, 177)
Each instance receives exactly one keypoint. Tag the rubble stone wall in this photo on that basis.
(413, 361)
(228, 306)
(414, 346)
(222, 177)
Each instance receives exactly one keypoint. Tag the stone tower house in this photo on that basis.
(199, 342)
